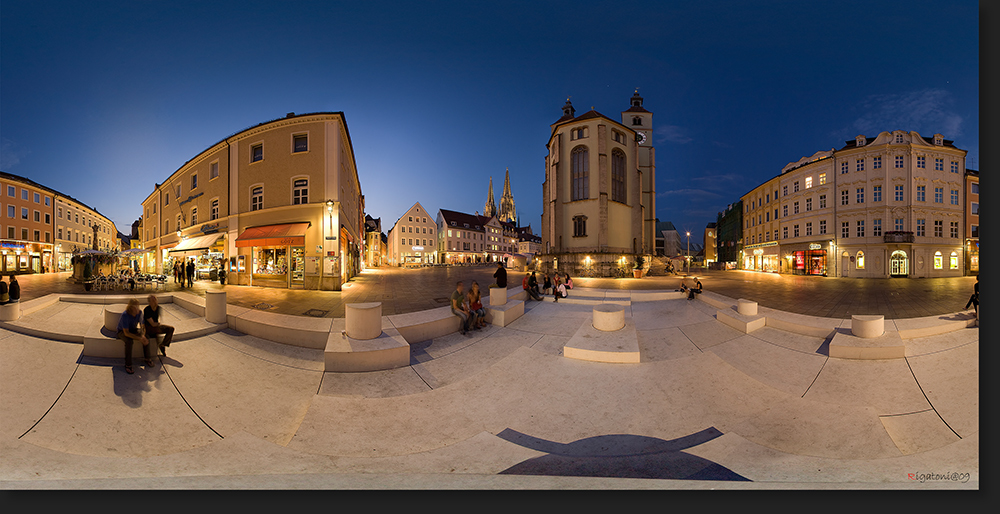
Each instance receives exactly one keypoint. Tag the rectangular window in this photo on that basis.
(24, 213)
(844, 168)
(256, 152)
(178, 189)
(822, 178)
(938, 164)
(921, 193)
(938, 195)
(38, 198)
(899, 224)
(899, 161)
(822, 226)
(860, 165)
(921, 162)
(38, 235)
(300, 143)
(214, 211)
(954, 166)
(24, 234)
(974, 230)
(38, 216)
(809, 228)
(213, 170)
(877, 228)
(845, 229)
(194, 181)
(954, 229)
(974, 208)
(795, 187)
(860, 195)
(876, 193)
(784, 210)
(795, 208)
(954, 196)
(784, 232)
(784, 190)
(257, 198)
(166, 199)
(300, 191)
(24, 196)
(861, 228)
(775, 213)
(877, 162)
(11, 192)
(921, 228)
(938, 228)
(795, 231)
(899, 193)
(822, 201)
(845, 197)
(59, 233)
(194, 215)
(975, 188)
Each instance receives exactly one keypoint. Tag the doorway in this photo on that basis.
(898, 264)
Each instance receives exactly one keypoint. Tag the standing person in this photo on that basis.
(130, 330)
(458, 306)
(547, 284)
(222, 274)
(476, 305)
(177, 273)
(973, 300)
(560, 290)
(190, 273)
(501, 275)
(151, 322)
(14, 290)
(525, 284)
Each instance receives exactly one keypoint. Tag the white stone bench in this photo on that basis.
(714, 299)
(101, 341)
(192, 303)
(655, 296)
(301, 331)
(503, 315)
(10, 311)
(425, 325)
(800, 323)
(926, 326)
(742, 317)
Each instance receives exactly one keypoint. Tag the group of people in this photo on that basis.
(468, 307)
(135, 325)
(691, 291)
(10, 293)
(184, 273)
(555, 282)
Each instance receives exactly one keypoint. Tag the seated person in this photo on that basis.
(14, 290)
(130, 330)
(569, 282)
(526, 285)
(560, 289)
(697, 286)
(4, 292)
(151, 322)
(683, 288)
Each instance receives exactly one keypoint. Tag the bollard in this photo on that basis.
(867, 326)
(609, 317)
(746, 307)
(498, 296)
(215, 306)
(363, 320)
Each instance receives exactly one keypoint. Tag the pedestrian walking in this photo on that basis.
(974, 299)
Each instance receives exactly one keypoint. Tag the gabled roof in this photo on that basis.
(461, 218)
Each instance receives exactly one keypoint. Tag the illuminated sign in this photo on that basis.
(418, 248)
(815, 246)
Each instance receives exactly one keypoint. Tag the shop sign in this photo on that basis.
(815, 246)
(11, 246)
(182, 202)
(800, 260)
(209, 229)
(418, 248)
(758, 251)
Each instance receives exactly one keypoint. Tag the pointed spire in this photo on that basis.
(491, 207)
(507, 211)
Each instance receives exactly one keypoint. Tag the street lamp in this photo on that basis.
(688, 272)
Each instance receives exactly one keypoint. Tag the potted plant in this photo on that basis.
(637, 269)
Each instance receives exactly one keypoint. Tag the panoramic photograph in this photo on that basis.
(323, 245)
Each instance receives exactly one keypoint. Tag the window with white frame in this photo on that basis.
(845, 229)
(860, 228)
(860, 195)
(194, 216)
(300, 191)
(784, 232)
(843, 167)
(194, 181)
(809, 228)
(845, 197)
(898, 223)
(938, 228)
(974, 208)
(954, 166)
(921, 193)
(921, 228)
(213, 213)
(899, 138)
(938, 195)
(213, 170)
(877, 227)
(876, 193)
(822, 201)
(899, 193)
(795, 231)
(795, 208)
(859, 260)
(860, 165)
(257, 152)
(784, 210)
(822, 226)
(921, 161)
(877, 162)
(300, 143)
(938, 164)
(795, 187)
(954, 229)
(822, 178)
(257, 198)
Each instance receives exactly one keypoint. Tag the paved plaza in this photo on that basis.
(706, 407)
(410, 290)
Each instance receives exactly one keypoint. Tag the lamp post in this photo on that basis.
(688, 272)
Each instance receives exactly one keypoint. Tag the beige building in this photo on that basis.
(711, 255)
(471, 238)
(413, 239)
(75, 225)
(887, 206)
(26, 240)
(279, 204)
(374, 248)
(972, 222)
(599, 191)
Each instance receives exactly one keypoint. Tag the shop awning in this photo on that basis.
(288, 234)
(196, 243)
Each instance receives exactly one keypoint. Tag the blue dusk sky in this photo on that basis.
(101, 100)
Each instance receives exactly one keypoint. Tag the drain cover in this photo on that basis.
(316, 313)
(263, 306)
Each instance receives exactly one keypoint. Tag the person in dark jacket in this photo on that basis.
(14, 290)
(4, 292)
(501, 275)
(973, 300)
(190, 273)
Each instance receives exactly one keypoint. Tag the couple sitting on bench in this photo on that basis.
(134, 325)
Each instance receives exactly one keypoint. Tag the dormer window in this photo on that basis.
(860, 141)
(637, 120)
(899, 138)
(454, 223)
(938, 140)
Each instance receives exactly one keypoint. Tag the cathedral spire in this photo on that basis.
(507, 211)
(491, 207)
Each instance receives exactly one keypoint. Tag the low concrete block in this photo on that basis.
(192, 303)
(112, 315)
(215, 306)
(867, 326)
(742, 322)
(284, 328)
(363, 320)
(10, 311)
(503, 315)
(609, 317)
(345, 354)
(846, 345)
(714, 299)
(746, 307)
(424, 325)
(591, 344)
(498, 296)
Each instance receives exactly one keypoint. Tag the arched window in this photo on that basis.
(580, 169)
(954, 260)
(579, 226)
(860, 260)
(938, 260)
(618, 176)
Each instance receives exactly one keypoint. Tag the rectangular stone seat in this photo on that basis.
(714, 299)
(101, 342)
(425, 325)
(741, 322)
(910, 328)
(193, 303)
(503, 315)
(643, 296)
(302, 331)
(800, 323)
(348, 355)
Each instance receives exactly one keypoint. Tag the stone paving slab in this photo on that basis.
(918, 431)
(924, 345)
(26, 397)
(950, 379)
(789, 371)
(664, 344)
(375, 384)
(667, 313)
(474, 358)
(709, 333)
(887, 386)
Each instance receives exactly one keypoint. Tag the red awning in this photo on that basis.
(288, 234)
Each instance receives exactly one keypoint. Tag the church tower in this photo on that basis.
(491, 208)
(507, 212)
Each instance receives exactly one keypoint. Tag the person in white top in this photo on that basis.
(560, 289)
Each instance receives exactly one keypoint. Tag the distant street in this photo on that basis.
(409, 290)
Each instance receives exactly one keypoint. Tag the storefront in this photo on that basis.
(276, 255)
(207, 251)
(972, 251)
(809, 259)
(18, 257)
(762, 257)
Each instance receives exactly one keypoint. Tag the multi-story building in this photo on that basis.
(598, 195)
(710, 253)
(279, 203)
(412, 240)
(471, 238)
(527, 242)
(26, 241)
(374, 250)
(971, 222)
(78, 227)
(888, 206)
(729, 236)
(667, 239)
